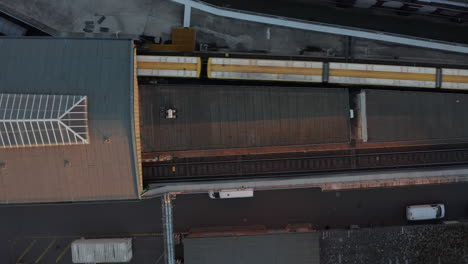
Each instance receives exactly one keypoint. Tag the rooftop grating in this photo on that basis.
(28, 120)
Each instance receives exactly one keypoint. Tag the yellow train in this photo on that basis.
(304, 71)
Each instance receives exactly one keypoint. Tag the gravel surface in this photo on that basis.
(426, 244)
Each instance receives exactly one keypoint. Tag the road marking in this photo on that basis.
(26, 251)
(160, 257)
(45, 251)
(63, 253)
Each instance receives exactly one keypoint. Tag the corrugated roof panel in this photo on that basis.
(102, 250)
(223, 117)
(409, 116)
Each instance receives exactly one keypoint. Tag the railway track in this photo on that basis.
(164, 172)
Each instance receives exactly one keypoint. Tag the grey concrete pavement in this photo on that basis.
(232, 35)
(157, 17)
(119, 18)
(244, 36)
(327, 12)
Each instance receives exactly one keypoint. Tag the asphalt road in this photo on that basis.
(57, 225)
(382, 20)
(29, 230)
(336, 209)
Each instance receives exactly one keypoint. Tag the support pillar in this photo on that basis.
(168, 231)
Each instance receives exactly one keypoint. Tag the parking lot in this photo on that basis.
(147, 248)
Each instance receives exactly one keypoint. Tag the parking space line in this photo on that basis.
(45, 251)
(160, 257)
(63, 253)
(26, 251)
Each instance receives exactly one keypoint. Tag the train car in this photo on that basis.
(456, 79)
(381, 75)
(168, 66)
(305, 71)
(265, 70)
(340, 73)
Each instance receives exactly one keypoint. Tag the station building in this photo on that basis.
(69, 126)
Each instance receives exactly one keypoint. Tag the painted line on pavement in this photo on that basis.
(26, 251)
(45, 251)
(60, 256)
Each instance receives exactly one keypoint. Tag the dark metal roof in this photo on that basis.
(101, 70)
(408, 115)
(223, 117)
(297, 248)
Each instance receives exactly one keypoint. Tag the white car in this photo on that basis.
(231, 193)
(425, 212)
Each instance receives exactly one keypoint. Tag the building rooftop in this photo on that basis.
(416, 116)
(266, 248)
(66, 120)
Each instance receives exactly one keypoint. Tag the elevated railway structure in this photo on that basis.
(182, 129)
(287, 129)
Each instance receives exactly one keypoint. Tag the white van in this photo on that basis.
(425, 212)
(231, 193)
